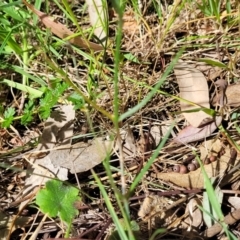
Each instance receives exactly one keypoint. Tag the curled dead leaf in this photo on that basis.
(232, 96)
(192, 134)
(195, 179)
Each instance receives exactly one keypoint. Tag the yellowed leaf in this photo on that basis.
(193, 87)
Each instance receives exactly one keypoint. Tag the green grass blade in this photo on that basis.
(150, 162)
(212, 197)
(153, 91)
(112, 211)
(34, 93)
(30, 76)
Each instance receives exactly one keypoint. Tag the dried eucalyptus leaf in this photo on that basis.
(195, 217)
(193, 134)
(195, 179)
(235, 202)
(82, 157)
(62, 31)
(193, 87)
(232, 96)
(58, 127)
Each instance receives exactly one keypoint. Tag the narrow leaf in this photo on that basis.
(213, 62)
(33, 92)
(211, 213)
(62, 31)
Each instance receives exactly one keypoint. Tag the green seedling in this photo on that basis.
(58, 199)
(134, 226)
(8, 117)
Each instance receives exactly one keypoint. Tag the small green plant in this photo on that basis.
(27, 113)
(213, 203)
(50, 99)
(58, 199)
(8, 117)
(210, 8)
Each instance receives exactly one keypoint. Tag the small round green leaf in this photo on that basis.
(58, 200)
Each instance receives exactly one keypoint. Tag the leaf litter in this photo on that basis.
(56, 152)
(193, 87)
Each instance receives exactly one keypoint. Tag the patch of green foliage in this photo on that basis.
(58, 199)
(8, 117)
(50, 99)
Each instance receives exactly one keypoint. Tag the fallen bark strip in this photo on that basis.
(229, 219)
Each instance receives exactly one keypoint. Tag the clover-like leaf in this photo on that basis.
(58, 199)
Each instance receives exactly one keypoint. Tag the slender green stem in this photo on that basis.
(149, 163)
(67, 233)
(25, 57)
(116, 111)
(153, 91)
(121, 232)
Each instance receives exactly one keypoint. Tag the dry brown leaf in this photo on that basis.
(193, 87)
(157, 132)
(62, 31)
(129, 146)
(153, 205)
(195, 179)
(195, 216)
(128, 143)
(235, 202)
(154, 209)
(192, 134)
(232, 94)
(98, 18)
(82, 156)
(130, 24)
(145, 143)
(132, 146)
(210, 147)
